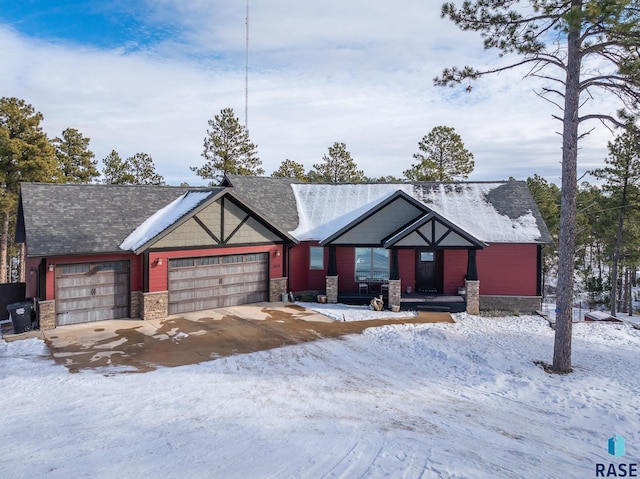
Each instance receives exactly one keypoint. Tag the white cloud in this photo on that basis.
(358, 72)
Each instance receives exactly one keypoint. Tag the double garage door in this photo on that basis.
(89, 292)
(211, 282)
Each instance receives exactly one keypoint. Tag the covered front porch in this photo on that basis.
(401, 226)
(412, 301)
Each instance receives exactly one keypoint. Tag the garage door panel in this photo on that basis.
(214, 282)
(92, 292)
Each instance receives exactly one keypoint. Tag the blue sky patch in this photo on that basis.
(114, 24)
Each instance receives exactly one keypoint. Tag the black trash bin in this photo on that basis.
(20, 316)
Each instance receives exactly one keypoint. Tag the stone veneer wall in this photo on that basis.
(520, 304)
(47, 314)
(332, 289)
(155, 305)
(277, 287)
(395, 292)
(472, 291)
(135, 306)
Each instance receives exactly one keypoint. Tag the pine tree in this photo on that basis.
(227, 150)
(26, 154)
(290, 169)
(135, 170)
(75, 159)
(622, 181)
(143, 170)
(116, 171)
(442, 157)
(337, 167)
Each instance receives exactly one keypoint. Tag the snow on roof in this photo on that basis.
(325, 208)
(163, 218)
(467, 206)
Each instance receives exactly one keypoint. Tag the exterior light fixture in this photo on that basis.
(51, 266)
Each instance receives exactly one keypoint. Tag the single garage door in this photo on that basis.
(211, 282)
(92, 292)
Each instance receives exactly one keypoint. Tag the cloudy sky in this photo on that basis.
(147, 75)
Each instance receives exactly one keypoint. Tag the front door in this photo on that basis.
(427, 271)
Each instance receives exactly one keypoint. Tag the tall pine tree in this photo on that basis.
(26, 154)
(337, 167)
(227, 150)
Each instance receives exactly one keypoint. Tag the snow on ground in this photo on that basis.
(345, 312)
(444, 400)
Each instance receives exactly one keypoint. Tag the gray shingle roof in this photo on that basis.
(86, 219)
(272, 196)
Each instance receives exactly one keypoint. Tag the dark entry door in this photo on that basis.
(427, 272)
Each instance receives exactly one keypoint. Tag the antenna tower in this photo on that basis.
(246, 74)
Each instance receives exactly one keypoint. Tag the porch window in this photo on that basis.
(316, 257)
(372, 264)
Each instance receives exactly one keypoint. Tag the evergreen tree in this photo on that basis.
(116, 171)
(135, 170)
(143, 170)
(75, 159)
(26, 154)
(290, 169)
(547, 197)
(227, 150)
(337, 167)
(622, 181)
(442, 157)
(558, 41)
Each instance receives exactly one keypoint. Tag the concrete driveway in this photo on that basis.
(139, 346)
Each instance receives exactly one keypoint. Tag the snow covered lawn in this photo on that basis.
(431, 400)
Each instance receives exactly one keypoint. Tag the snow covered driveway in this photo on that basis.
(434, 400)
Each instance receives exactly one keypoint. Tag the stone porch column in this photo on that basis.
(332, 289)
(472, 289)
(395, 291)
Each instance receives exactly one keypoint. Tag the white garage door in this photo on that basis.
(196, 284)
(92, 292)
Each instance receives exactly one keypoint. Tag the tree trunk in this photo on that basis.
(566, 251)
(4, 244)
(22, 276)
(631, 277)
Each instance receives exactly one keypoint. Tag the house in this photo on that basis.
(111, 251)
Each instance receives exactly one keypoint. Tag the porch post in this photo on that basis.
(395, 271)
(331, 281)
(472, 269)
(332, 269)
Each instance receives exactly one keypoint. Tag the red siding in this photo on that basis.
(455, 270)
(299, 267)
(301, 277)
(346, 259)
(158, 273)
(503, 269)
(407, 268)
(135, 269)
(508, 269)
